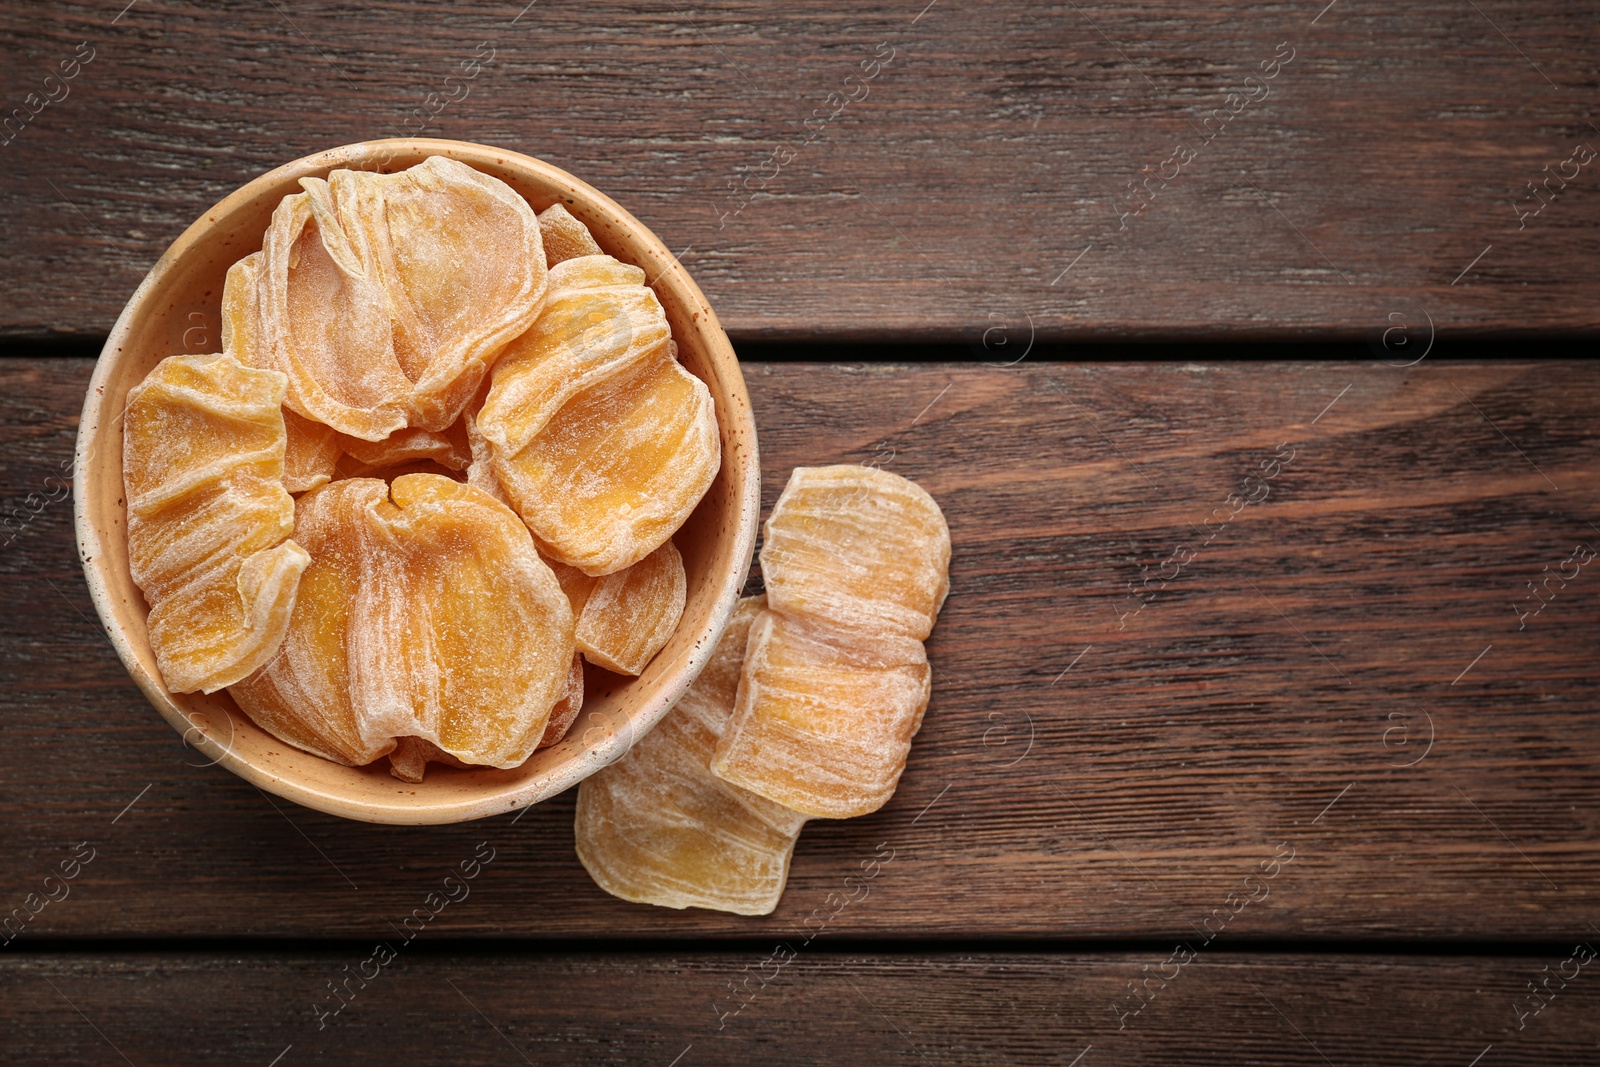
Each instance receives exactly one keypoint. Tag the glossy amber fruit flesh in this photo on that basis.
(438, 619)
(861, 548)
(564, 236)
(385, 297)
(657, 827)
(618, 468)
(627, 616)
(824, 720)
(203, 446)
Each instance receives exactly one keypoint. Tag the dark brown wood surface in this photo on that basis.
(675, 1009)
(1329, 740)
(976, 188)
(1340, 675)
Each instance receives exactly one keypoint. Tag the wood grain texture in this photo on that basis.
(977, 188)
(817, 1008)
(1082, 771)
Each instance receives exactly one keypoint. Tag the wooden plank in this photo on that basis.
(1084, 769)
(805, 1006)
(984, 186)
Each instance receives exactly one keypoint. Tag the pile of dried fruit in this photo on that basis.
(438, 464)
(807, 707)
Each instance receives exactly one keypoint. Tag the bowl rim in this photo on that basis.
(745, 492)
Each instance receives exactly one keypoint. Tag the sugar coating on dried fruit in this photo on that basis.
(480, 472)
(385, 297)
(618, 468)
(466, 635)
(310, 455)
(242, 335)
(449, 448)
(598, 321)
(320, 318)
(823, 721)
(576, 584)
(835, 682)
(208, 517)
(439, 621)
(303, 695)
(862, 548)
(460, 257)
(657, 827)
(564, 236)
(312, 448)
(628, 615)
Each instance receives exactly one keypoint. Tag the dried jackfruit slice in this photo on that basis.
(598, 321)
(565, 713)
(657, 827)
(203, 444)
(628, 615)
(322, 318)
(409, 760)
(460, 257)
(430, 616)
(411, 756)
(303, 695)
(824, 721)
(312, 448)
(598, 271)
(710, 700)
(862, 548)
(463, 634)
(243, 336)
(385, 297)
(618, 469)
(564, 236)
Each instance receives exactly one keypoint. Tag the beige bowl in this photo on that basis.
(176, 309)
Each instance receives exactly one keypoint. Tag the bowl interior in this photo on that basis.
(177, 309)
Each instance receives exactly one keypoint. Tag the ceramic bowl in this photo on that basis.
(176, 309)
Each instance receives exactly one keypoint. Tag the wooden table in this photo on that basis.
(1312, 780)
